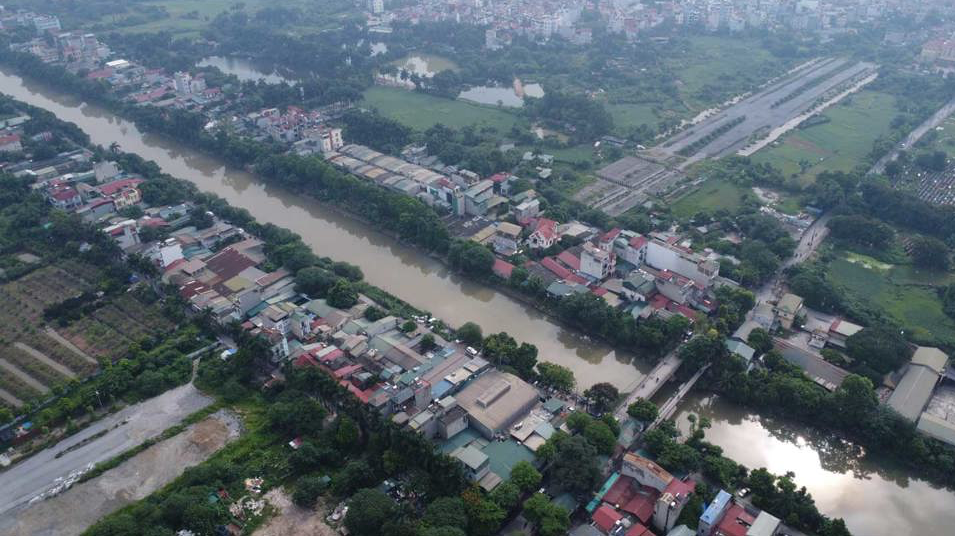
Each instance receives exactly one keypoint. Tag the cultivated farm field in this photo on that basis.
(36, 357)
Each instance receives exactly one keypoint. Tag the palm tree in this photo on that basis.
(114, 147)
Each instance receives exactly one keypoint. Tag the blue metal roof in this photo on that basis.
(441, 388)
(715, 510)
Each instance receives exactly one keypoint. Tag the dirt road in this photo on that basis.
(100, 441)
(71, 512)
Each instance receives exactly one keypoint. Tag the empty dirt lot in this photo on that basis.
(71, 512)
(291, 519)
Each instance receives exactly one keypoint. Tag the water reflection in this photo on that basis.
(405, 271)
(244, 69)
(873, 496)
(425, 65)
(503, 96)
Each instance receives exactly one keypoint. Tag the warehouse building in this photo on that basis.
(496, 400)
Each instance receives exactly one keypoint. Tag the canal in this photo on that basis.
(402, 270)
(874, 497)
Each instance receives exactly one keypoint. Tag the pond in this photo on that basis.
(246, 70)
(503, 96)
(426, 65)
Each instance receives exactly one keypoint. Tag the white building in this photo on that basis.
(331, 140)
(663, 256)
(597, 262)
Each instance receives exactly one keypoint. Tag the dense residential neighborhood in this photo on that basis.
(622, 267)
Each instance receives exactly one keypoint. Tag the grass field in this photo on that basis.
(181, 21)
(421, 111)
(942, 140)
(626, 116)
(728, 66)
(899, 290)
(840, 145)
(709, 197)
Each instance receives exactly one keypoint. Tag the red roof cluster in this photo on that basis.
(569, 259)
(108, 189)
(502, 268)
(632, 498)
(546, 228)
(610, 235)
(732, 522)
(638, 242)
(606, 517)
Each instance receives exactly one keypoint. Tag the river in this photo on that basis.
(400, 269)
(874, 497)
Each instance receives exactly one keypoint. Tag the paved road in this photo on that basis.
(914, 136)
(766, 109)
(811, 239)
(659, 376)
(669, 407)
(125, 429)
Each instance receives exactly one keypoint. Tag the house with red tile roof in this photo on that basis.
(502, 268)
(606, 240)
(544, 234)
(10, 142)
(605, 518)
(568, 258)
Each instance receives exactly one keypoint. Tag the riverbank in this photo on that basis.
(386, 263)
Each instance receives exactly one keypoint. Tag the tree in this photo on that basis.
(643, 410)
(575, 465)
(352, 477)
(347, 434)
(342, 295)
(602, 396)
(525, 476)
(408, 326)
(368, 510)
(600, 436)
(201, 219)
(547, 517)
(314, 281)
(427, 342)
(200, 517)
(855, 399)
(471, 334)
(307, 490)
(760, 340)
(556, 376)
(296, 415)
(701, 350)
(506, 495)
(308, 457)
(484, 516)
(445, 512)
(880, 347)
(348, 271)
(860, 230)
(930, 253)
(934, 161)
(471, 258)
